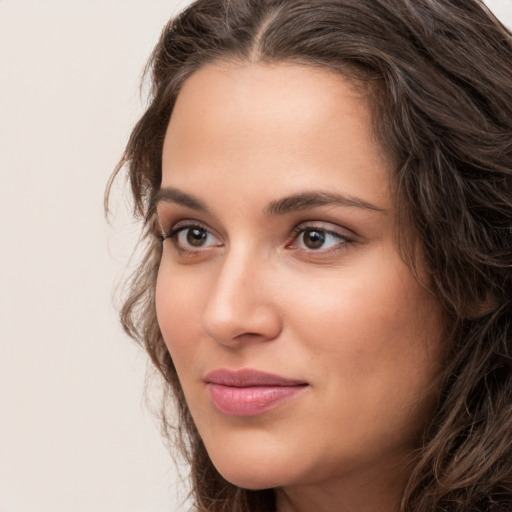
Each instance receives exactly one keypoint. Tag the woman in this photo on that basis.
(327, 193)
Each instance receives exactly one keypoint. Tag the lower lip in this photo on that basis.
(250, 401)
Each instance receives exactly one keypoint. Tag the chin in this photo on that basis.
(252, 480)
(252, 474)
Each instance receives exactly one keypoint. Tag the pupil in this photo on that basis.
(196, 236)
(314, 239)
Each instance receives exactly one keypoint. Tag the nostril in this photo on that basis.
(249, 325)
(239, 307)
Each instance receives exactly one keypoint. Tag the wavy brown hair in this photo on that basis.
(438, 74)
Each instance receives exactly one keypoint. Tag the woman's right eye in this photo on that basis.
(192, 238)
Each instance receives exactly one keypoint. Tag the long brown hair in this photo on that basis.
(439, 78)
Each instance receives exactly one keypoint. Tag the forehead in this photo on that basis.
(277, 123)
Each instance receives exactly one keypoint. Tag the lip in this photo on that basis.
(249, 392)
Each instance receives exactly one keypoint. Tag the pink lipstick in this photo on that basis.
(249, 392)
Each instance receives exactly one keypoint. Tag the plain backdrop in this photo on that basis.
(74, 433)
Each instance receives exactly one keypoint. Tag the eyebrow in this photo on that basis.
(174, 195)
(296, 202)
(307, 200)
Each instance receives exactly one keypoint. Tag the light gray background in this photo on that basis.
(74, 434)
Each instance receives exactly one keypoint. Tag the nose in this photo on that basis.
(241, 308)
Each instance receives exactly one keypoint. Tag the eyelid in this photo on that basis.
(186, 224)
(344, 235)
(327, 228)
(170, 216)
(179, 225)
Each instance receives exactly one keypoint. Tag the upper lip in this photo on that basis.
(247, 377)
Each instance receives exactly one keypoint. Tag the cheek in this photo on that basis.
(375, 331)
(377, 301)
(177, 308)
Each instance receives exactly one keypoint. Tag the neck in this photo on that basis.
(369, 491)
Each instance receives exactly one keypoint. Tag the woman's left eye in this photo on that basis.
(318, 239)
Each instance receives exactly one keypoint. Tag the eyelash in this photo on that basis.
(343, 240)
(183, 227)
(301, 229)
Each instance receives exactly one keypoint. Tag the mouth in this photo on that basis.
(249, 392)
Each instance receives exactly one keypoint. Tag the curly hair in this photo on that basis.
(439, 80)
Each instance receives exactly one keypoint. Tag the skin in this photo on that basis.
(348, 317)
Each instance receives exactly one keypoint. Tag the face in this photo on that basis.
(306, 349)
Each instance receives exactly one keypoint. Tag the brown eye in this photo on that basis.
(319, 240)
(189, 238)
(313, 238)
(196, 237)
